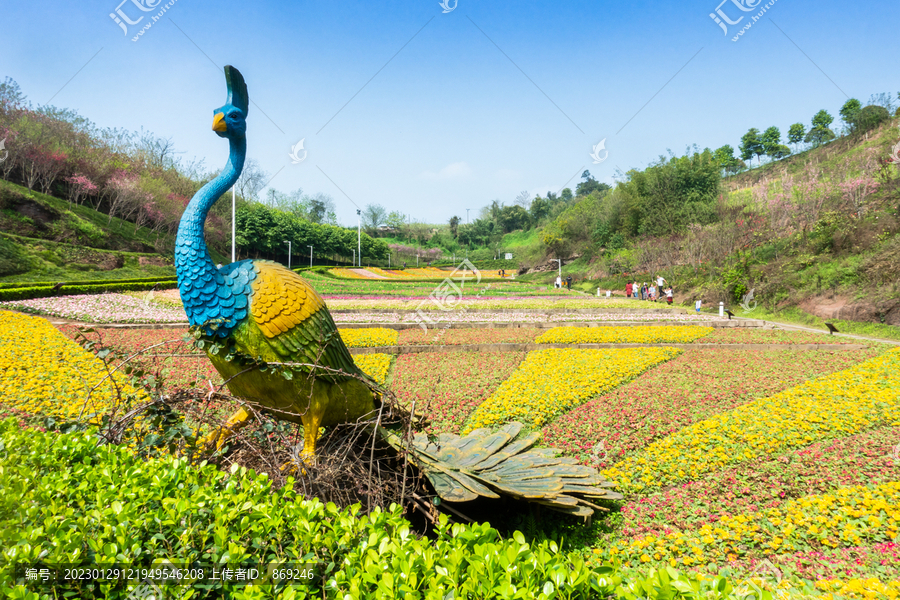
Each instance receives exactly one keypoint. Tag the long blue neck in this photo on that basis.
(193, 263)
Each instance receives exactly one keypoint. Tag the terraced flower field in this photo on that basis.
(727, 457)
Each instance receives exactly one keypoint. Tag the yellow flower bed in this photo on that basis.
(663, 334)
(414, 273)
(433, 273)
(375, 366)
(390, 273)
(44, 372)
(858, 588)
(347, 274)
(369, 337)
(553, 381)
(837, 405)
(850, 516)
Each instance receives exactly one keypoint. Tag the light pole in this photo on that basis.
(354, 257)
(289, 253)
(359, 234)
(467, 215)
(560, 267)
(310, 257)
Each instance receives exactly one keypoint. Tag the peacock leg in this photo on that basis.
(311, 423)
(312, 420)
(220, 435)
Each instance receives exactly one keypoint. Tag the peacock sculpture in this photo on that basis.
(271, 337)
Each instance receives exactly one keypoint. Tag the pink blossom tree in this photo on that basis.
(79, 186)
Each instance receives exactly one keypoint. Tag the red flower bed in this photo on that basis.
(523, 335)
(447, 387)
(764, 482)
(693, 387)
(743, 335)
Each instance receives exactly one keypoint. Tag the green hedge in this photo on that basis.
(23, 284)
(73, 289)
(67, 500)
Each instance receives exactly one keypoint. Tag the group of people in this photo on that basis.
(559, 282)
(655, 291)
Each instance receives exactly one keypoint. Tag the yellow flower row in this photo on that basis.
(663, 334)
(415, 273)
(847, 517)
(347, 274)
(375, 366)
(553, 381)
(837, 405)
(858, 588)
(369, 337)
(43, 372)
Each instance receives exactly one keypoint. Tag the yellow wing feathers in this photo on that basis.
(281, 299)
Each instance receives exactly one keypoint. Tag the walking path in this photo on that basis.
(776, 325)
(530, 347)
(735, 322)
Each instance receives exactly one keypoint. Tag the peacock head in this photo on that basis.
(230, 121)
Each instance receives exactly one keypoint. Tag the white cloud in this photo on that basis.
(455, 170)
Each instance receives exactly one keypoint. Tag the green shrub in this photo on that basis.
(153, 280)
(73, 289)
(50, 256)
(871, 117)
(67, 500)
(82, 267)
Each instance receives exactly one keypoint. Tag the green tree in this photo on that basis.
(540, 208)
(727, 160)
(395, 220)
(849, 112)
(671, 194)
(454, 226)
(771, 140)
(752, 144)
(820, 133)
(588, 185)
(871, 117)
(511, 218)
(796, 134)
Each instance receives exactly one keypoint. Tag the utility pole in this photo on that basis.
(310, 257)
(560, 266)
(467, 215)
(289, 253)
(359, 234)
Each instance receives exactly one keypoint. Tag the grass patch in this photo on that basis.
(796, 316)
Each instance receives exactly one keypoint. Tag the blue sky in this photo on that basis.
(430, 113)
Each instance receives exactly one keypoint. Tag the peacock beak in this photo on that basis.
(219, 124)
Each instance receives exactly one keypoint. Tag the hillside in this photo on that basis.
(813, 235)
(45, 238)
